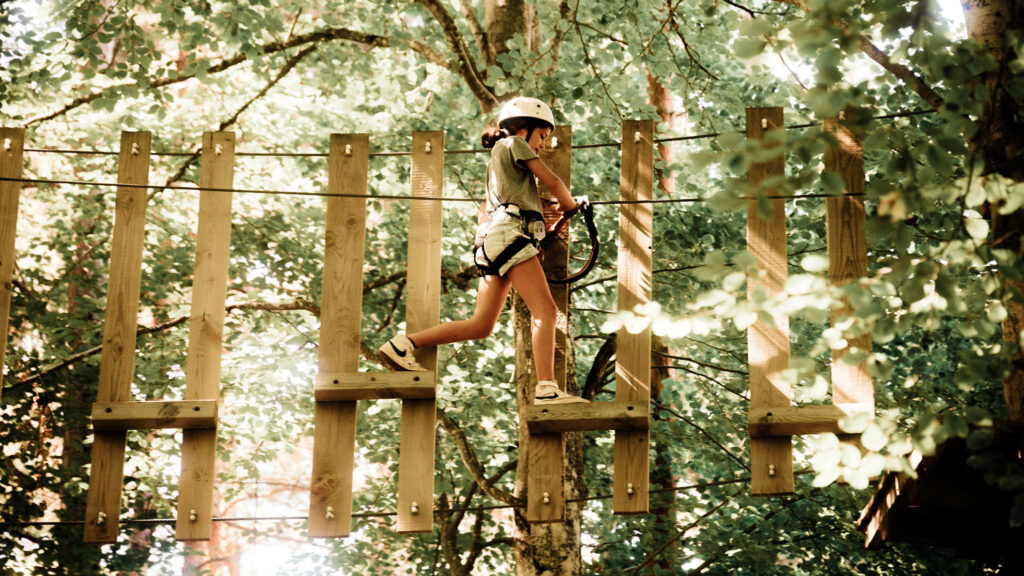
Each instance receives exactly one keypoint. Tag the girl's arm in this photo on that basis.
(483, 217)
(552, 182)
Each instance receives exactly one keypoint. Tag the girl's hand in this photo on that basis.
(578, 202)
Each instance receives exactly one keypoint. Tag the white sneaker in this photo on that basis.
(548, 392)
(396, 354)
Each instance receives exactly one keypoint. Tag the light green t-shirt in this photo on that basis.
(509, 181)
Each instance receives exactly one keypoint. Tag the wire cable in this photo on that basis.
(238, 190)
(390, 196)
(136, 521)
(894, 115)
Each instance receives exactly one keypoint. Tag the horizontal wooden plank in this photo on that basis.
(348, 386)
(797, 420)
(554, 418)
(108, 416)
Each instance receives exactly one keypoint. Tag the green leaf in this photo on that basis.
(977, 228)
(748, 47)
(873, 438)
(814, 263)
(826, 477)
(978, 416)
(855, 423)
(857, 478)
(980, 438)
(955, 426)
(1017, 512)
(832, 182)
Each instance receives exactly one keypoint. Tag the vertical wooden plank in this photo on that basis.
(546, 452)
(633, 351)
(847, 255)
(117, 362)
(423, 310)
(206, 327)
(771, 459)
(12, 151)
(330, 499)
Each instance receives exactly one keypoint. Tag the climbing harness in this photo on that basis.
(511, 230)
(582, 205)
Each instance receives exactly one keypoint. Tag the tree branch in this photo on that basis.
(703, 432)
(431, 55)
(602, 360)
(191, 160)
(653, 555)
(466, 67)
(693, 55)
(706, 365)
(474, 25)
(590, 62)
(882, 59)
(370, 40)
(724, 549)
(476, 470)
(555, 47)
(298, 304)
(902, 72)
(288, 66)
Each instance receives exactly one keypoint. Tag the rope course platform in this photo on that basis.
(339, 385)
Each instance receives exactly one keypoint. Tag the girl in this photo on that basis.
(506, 247)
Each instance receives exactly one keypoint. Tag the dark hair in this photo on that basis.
(491, 134)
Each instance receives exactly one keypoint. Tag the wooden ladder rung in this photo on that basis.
(555, 418)
(348, 386)
(110, 416)
(798, 420)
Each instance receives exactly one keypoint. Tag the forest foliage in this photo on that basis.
(284, 75)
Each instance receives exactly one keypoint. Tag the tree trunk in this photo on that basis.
(662, 99)
(78, 385)
(503, 19)
(663, 477)
(1000, 141)
(543, 549)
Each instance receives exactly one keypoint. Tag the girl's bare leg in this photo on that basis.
(530, 282)
(490, 299)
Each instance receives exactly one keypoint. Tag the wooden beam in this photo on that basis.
(12, 147)
(874, 519)
(423, 310)
(108, 416)
(633, 351)
(334, 435)
(117, 361)
(206, 333)
(769, 421)
(545, 475)
(771, 459)
(847, 255)
(556, 418)
(348, 386)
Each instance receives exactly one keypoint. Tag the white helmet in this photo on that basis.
(523, 107)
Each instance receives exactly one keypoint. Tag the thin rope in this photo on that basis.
(237, 154)
(390, 196)
(470, 151)
(40, 523)
(238, 190)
